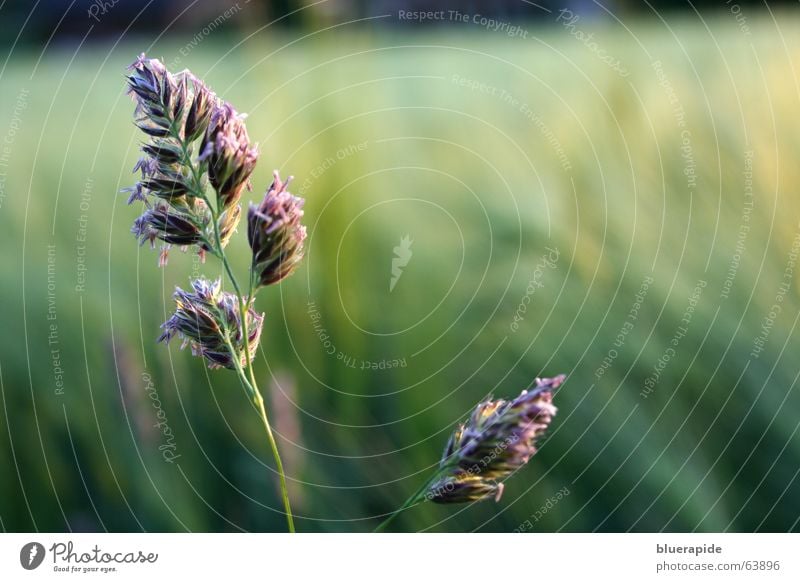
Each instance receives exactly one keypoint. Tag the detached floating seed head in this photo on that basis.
(499, 438)
(205, 317)
(275, 233)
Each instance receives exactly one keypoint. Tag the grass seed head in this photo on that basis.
(207, 319)
(499, 437)
(275, 233)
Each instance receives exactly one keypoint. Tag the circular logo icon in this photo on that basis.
(31, 555)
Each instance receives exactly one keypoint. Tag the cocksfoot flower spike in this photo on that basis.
(194, 141)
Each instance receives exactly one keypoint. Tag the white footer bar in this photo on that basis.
(441, 557)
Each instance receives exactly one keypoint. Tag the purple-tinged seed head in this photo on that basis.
(498, 439)
(275, 234)
(205, 317)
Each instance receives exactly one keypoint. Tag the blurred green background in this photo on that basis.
(486, 150)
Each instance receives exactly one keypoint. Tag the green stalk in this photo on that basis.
(411, 501)
(258, 402)
(255, 394)
(251, 386)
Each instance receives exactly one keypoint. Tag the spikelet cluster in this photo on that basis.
(498, 438)
(194, 139)
(207, 319)
(275, 233)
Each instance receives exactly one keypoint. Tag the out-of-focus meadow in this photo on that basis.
(598, 207)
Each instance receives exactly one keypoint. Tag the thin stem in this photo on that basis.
(250, 385)
(408, 502)
(250, 290)
(258, 402)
